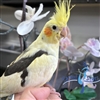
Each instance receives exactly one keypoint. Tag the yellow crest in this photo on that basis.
(62, 13)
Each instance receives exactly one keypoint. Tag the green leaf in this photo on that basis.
(88, 93)
(68, 95)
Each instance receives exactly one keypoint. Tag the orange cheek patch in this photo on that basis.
(48, 31)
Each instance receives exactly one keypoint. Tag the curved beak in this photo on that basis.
(65, 32)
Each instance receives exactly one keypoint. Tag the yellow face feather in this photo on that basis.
(62, 14)
(53, 28)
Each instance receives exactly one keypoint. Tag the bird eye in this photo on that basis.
(54, 27)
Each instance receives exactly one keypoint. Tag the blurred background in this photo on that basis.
(84, 23)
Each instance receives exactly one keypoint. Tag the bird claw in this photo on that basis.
(53, 90)
(57, 93)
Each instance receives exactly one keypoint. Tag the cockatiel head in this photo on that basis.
(54, 29)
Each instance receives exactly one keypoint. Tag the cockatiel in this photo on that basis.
(35, 66)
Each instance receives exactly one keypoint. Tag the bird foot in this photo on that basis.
(53, 90)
